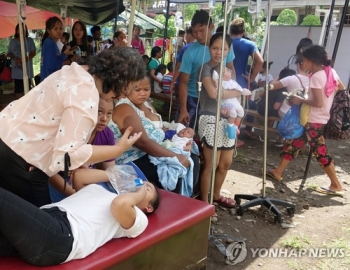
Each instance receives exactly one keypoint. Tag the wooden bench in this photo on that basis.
(163, 97)
(257, 120)
(176, 238)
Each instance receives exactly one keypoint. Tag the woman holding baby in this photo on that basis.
(135, 110)
(207, 124)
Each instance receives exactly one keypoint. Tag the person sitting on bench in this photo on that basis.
(101, 135)
(135, 110)
(76, 226)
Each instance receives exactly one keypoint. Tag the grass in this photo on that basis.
(296, 242)
(311, 186)
(241, 157)
(339, 243)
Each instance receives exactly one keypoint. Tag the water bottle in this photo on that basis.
(78, 51)
(124, 179)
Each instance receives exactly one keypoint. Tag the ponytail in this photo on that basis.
(45, 36)
(327, 62)
(318, 55)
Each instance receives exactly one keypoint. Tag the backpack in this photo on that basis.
(338, 126)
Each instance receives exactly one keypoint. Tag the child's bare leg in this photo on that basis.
(231, 120)
(238, 121)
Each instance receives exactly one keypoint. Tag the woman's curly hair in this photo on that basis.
(117, 68)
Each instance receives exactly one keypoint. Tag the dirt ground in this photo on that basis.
(320, 223)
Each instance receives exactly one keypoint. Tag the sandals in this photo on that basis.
(328, 191)
(225, 202)
(269, 173)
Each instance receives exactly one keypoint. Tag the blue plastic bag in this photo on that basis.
(289, 127)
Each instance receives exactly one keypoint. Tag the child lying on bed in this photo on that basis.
(76, 226)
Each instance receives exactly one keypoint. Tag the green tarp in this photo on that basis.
(88, 11)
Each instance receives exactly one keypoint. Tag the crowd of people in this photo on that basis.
(92, 109)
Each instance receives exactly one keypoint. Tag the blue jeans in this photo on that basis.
(39, 236)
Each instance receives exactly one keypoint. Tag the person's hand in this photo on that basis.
(296, 100)
(127, 140)
(247, 78)
(172, 88)
(184, 117)
(18, 61)
(225, 112)
(75, 57)
(183, 160)
(188, 146)
(69, 51)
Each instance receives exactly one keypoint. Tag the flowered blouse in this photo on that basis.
(54, 118)
(154, 133)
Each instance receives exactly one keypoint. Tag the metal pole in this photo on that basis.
(166, 29)
(131, 21)
(340, 30)
(116, 15)
(329, 22)
(218, 109)
(268, 19)
(269, 9)
(22, 40)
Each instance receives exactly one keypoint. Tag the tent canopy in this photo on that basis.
(277, 3)
(8, 18)
(140, 19)
(88, 11)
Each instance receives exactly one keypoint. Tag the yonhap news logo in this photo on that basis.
(237, 252)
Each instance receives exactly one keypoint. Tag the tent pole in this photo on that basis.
(166, 29)
(131, 21)
(340, 30)
(329, 23)
(218, 109)
(268, 10)
(268, 27)
(21, 38)
(116, 15)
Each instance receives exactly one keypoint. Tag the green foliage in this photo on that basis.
(311, 20)
(287, 17)
(171, 26)
(243, 13)
(217, 13)
(4, 44)
(190, 10)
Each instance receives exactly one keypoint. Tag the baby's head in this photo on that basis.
(186, 133)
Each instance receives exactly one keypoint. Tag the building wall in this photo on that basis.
(284, 40)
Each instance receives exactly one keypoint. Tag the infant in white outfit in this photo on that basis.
(183, 139)
(233, 105)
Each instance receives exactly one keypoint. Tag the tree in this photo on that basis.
(171, 26)
(190, 10)
(287, 17)
(311, 20)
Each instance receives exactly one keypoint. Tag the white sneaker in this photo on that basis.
(246, 92)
